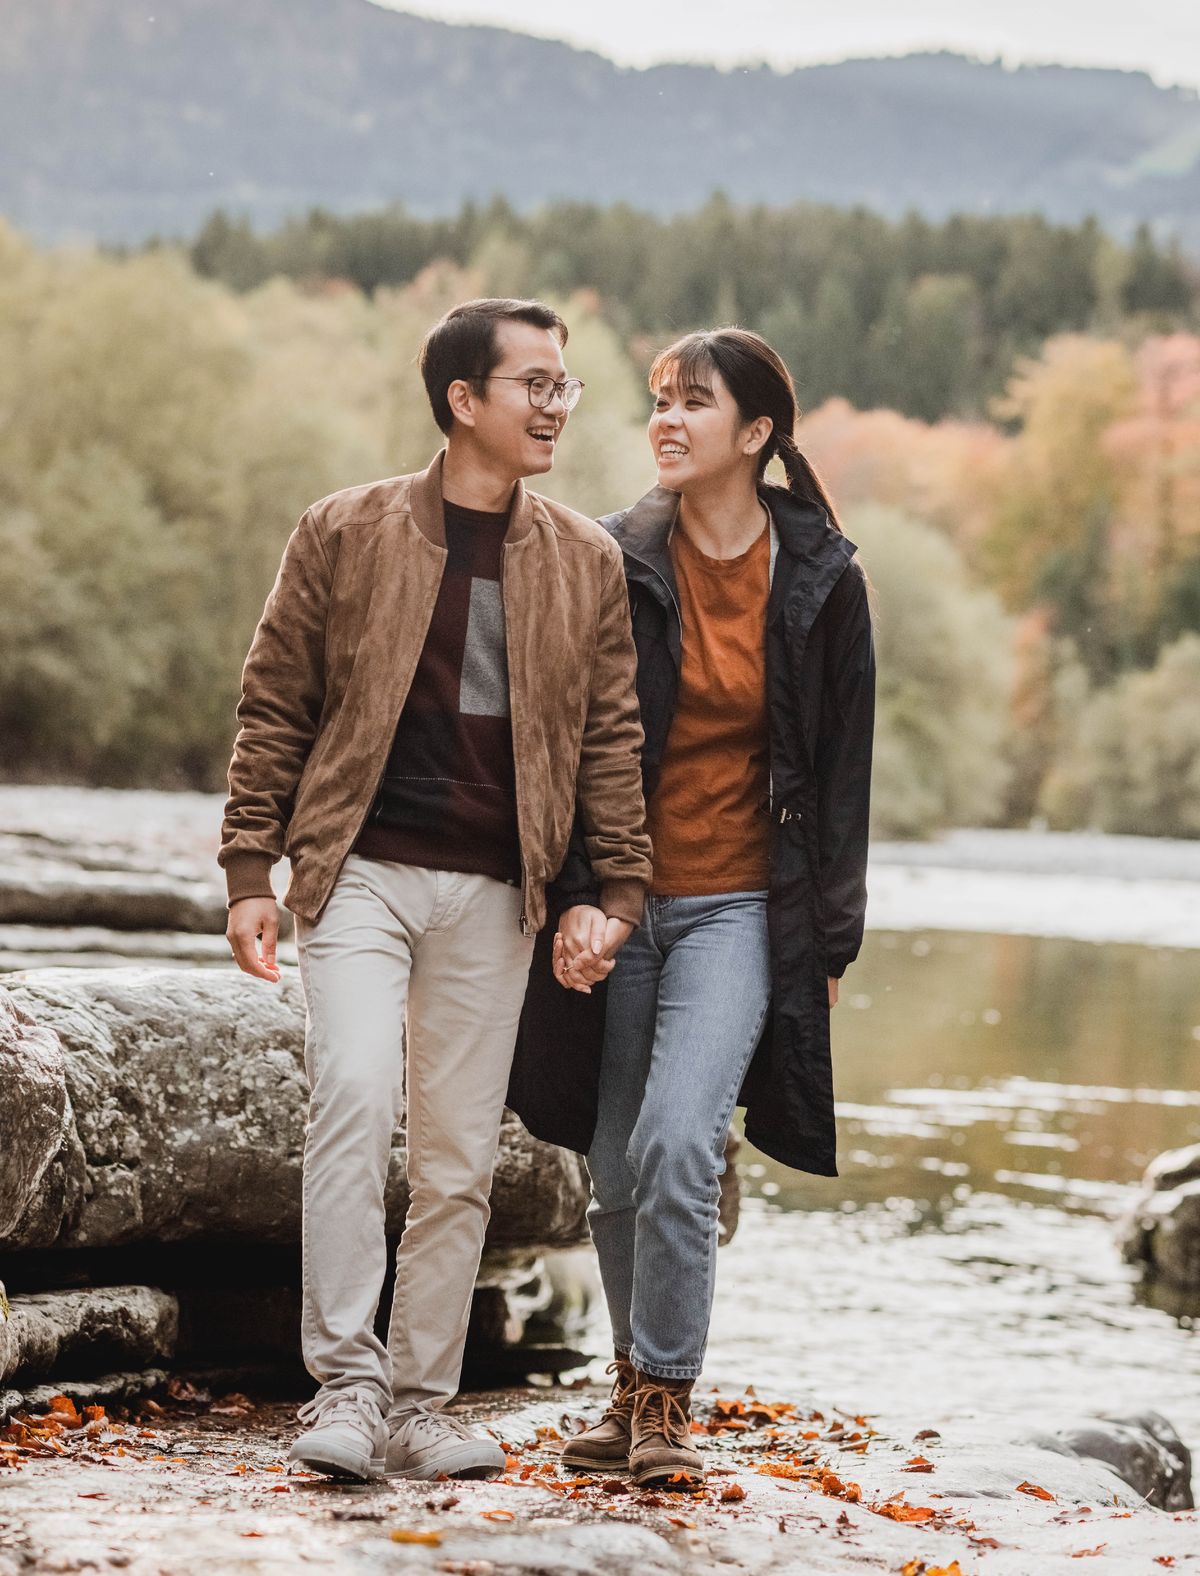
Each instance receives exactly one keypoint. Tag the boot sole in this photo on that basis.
(595, 1463)
(668, 1478)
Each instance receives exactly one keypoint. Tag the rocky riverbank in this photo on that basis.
(196, 1481)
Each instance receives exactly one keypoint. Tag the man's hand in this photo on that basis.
(833, 990)
(586, 945)
(250, 918)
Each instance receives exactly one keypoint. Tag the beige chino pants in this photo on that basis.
(414, 980)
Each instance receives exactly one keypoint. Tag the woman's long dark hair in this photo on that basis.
(761, 386)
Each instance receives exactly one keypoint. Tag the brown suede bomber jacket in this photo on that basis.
(334, 655)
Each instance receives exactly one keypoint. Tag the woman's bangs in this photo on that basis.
(688, 366)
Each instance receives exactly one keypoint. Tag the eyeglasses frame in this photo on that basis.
(559, 387)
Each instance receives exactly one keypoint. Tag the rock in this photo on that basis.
(154, 1104)
(43, 892)
(84, 1392)
(90, 946)
(86, 1331)
(1143, 1450)
(37, 1151)
(1161, 1232)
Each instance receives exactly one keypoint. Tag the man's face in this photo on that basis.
(515, 437)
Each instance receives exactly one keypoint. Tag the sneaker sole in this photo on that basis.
(345, 1467)
(455, 1464)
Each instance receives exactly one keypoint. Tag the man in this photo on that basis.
(444, 665)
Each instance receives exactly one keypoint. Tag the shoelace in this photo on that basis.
(436, 1423)
(624, 1389)
(348, 1408)
(674, 1422)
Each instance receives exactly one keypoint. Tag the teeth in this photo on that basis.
(672, 450)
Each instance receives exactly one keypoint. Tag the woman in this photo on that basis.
(756, 684)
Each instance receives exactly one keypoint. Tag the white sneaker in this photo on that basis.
(348, 1437)
(430, 1444)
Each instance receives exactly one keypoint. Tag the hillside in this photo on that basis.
(123, 118)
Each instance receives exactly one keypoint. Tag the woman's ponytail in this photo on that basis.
(803, 481)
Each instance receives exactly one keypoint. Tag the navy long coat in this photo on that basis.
(820, 674)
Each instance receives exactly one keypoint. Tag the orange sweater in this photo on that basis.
(705, 818)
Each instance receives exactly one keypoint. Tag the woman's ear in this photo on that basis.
(757, 433)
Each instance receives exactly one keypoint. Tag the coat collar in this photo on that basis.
(800, 530)
(425, 502)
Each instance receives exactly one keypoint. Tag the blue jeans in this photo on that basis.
(686, 1005)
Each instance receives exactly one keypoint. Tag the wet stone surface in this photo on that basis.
(196, 1482)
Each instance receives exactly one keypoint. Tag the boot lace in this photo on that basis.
(624, 1388)
(663, 1409)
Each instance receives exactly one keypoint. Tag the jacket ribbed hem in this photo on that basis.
(248, 875)
(623, 899)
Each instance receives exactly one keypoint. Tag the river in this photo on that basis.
(1010, 1051)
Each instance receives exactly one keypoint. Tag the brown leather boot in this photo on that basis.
(605, 1445)
(662, 1452)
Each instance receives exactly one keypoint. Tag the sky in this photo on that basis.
(1158, 36)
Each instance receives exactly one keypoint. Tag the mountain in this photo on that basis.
(124, 118)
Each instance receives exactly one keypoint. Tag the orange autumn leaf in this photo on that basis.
(1083, 1554)
(64, 1410)
(409, 1535)
(1035, 1489)
(902, 1512)
(498, 1515)
(917, 1464)
(732, 1493)
(832, 1485)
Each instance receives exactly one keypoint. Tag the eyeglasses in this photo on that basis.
(543, 390)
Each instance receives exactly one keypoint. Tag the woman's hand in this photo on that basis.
(585, 947)
(833, 990)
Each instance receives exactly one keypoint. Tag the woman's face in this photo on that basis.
(697, 434)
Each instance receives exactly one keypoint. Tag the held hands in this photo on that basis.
(833, 990)
(585, 947)
(250, 918)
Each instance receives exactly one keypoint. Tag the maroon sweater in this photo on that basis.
(448, 799)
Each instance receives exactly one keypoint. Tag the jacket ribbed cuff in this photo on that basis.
(623, 899)
(248, 875)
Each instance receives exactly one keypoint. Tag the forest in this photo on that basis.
(1007, 413)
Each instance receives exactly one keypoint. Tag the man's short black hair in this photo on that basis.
(463, 345)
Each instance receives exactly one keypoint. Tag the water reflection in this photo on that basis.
(999, 1098)
(1022, 1066)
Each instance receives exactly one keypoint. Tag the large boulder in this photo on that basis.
(1143, 1450)
(150, 1104)
(1161, 1232)
(42, 1333)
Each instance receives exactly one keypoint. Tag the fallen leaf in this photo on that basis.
(732, 1493)
(917, 1464)
(903, 1512)
(1083, 1554)
(407, 1535)
(678, 1521)
(497, 1515)
(1164, 1559)
(1035, 1490)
